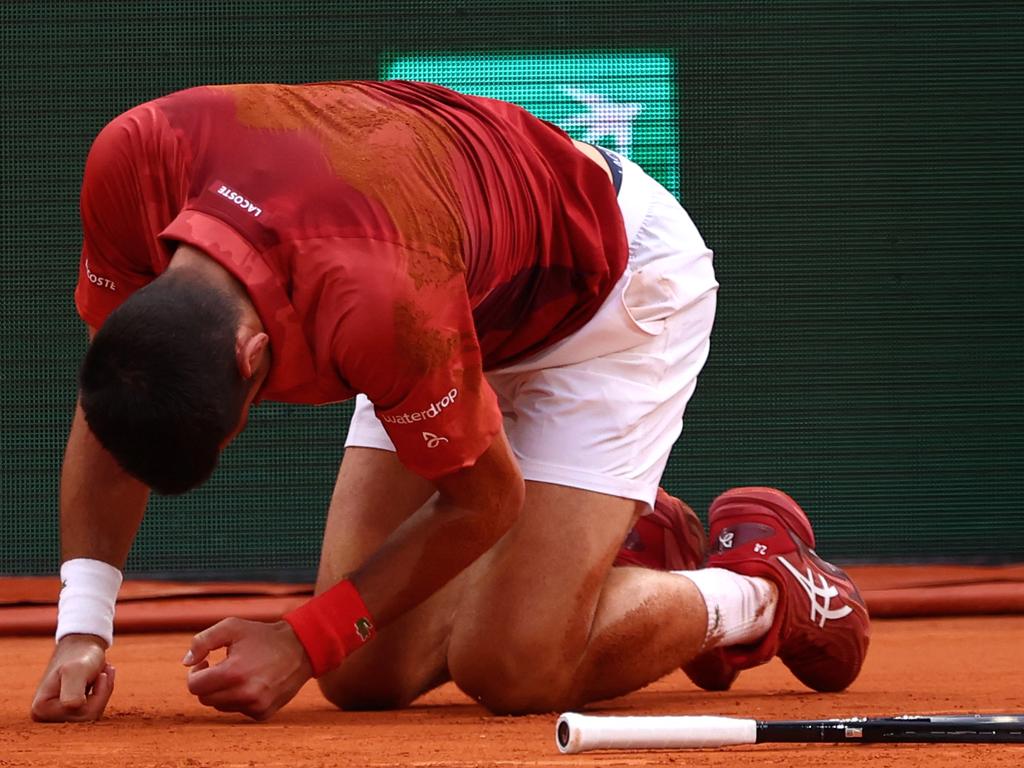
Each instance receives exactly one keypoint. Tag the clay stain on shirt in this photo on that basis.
(427, 348)
(390, 153)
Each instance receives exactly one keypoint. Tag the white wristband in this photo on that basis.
(87, 596)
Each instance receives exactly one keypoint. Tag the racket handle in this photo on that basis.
(578, 733)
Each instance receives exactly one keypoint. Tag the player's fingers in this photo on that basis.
(47, 710)
(47, 696)
(249, 699)
(204, 664)
(48, 707)
(227, 700)
(74, 679)
(219, 635)
(51, 711)
(101, 692)
(220, 677)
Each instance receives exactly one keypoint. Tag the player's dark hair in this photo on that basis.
(159, 385)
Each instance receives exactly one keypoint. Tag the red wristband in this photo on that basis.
(331, 626)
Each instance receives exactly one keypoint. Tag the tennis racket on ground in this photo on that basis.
(580, 733)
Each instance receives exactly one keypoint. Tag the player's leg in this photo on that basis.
(374, 494)
(545, 623)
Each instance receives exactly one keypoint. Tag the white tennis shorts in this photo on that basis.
(601, 409)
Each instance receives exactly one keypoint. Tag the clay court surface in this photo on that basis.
(915, 666)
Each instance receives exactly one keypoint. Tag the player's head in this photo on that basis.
(162, 387)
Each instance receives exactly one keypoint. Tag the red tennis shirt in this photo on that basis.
(396, 238)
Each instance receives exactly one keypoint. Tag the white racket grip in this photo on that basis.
(579, 733)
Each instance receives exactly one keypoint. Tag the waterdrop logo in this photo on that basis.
(434, 409)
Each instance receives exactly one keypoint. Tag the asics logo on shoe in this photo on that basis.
(433, 440)
(820, 611)
(725, 539)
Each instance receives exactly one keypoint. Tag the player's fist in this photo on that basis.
(77, 683)
(265, 667)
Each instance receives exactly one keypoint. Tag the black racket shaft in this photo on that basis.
(949, 729)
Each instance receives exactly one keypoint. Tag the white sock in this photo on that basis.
(740, 608)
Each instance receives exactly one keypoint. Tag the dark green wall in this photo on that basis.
(857, 167)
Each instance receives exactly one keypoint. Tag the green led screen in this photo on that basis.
(857, 168)
(623, 101)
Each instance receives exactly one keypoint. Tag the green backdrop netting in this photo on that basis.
(857, 168)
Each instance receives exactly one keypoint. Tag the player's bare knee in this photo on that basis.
(356, 695)
(503, 695)
(512, 680)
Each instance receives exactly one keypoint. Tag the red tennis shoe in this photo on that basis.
(821, 627)
(669, 538)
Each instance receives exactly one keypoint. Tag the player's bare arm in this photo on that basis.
(268, 665)
(101, 507)
(474, 507)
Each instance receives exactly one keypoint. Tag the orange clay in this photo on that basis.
(914, 666)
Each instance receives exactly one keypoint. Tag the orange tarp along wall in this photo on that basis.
(891, 591)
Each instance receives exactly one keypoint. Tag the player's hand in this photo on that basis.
(265, 667)
(77, 683)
